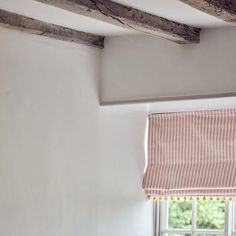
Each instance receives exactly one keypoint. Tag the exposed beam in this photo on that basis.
(29, 25)
(223, 9)
(129, 18)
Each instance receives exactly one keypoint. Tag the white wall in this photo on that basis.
(67, 167)
(142, 67)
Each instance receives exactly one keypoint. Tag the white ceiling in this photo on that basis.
(177, 11)
(61, 17)
(170, 9)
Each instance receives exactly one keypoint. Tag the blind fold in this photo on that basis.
(191, 154)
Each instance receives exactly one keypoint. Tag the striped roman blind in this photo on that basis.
(191, 154)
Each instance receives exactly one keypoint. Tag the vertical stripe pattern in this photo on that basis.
(191, 154)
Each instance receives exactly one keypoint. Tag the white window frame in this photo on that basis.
(160, 217)
(233, 221)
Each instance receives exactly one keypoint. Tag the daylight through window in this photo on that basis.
(195, 217)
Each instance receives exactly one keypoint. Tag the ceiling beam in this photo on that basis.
(29, 25)
(129, 18)
(223, 9)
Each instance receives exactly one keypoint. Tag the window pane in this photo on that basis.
(174, 234)
(210, 214)
(210, 234)
(180, 214)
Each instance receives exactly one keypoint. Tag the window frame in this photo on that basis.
(160, 215)
(233, 222)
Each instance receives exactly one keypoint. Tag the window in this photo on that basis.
(195, 218)
(234, 219)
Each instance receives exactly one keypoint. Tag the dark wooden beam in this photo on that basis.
(129, 18)
(29, 25)
(223, 9)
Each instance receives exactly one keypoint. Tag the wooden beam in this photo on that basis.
(29, 25)
(129, 18)
(223, 9)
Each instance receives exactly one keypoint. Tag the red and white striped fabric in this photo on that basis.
(191, 154)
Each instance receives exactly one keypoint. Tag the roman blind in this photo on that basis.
(191, 154)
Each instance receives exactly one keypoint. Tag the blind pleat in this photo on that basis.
(191, 154)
